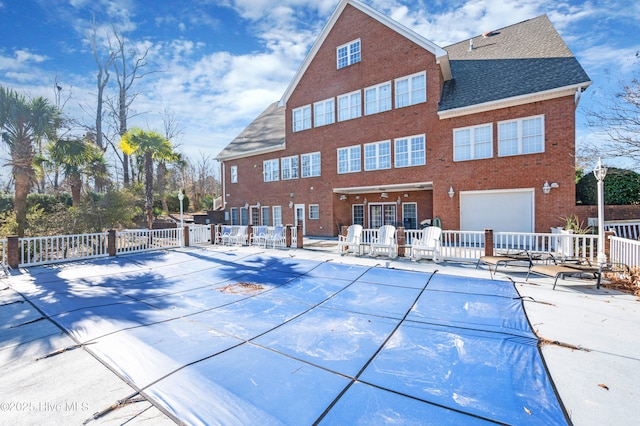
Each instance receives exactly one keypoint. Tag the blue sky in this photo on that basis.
(219, 63)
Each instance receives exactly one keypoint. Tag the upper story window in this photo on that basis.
(349, 159)
(290, 167)
(348, 54)
(324, 112)
(234, 174)
(411, 90)
(377, 98)
(523, 136)
(377, 155)
(271, 170)
(349, 106)
(472, 143)
(410, 151)
(310, 164)
(302, 118)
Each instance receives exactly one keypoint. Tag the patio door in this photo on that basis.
(382, 214)
(298, 211)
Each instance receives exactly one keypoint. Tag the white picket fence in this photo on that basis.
(624, 228)
(62, 248)
(138, 240)
(624, 251)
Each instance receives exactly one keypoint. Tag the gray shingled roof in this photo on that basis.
(521, 59)
(265, 133)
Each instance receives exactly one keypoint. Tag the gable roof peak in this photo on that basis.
(439, 52)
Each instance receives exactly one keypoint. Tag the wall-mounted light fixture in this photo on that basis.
(246, 205)
(291, 195)
(365, 201)
(399, 200)
(343, 197)
(384, 195)
(258, 204)
(546, 188)
(451, 192)
(290, 204)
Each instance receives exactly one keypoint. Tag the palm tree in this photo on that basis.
(151, 145)
(23, 122)
(76, 157)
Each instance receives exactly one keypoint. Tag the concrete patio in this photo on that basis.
(590, 344)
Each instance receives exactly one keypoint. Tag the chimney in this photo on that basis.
(470, 45)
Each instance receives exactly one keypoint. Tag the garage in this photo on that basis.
(501, 210)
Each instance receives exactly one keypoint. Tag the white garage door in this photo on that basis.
(502, 211)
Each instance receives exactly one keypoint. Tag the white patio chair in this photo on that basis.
(259, 236)
(225, 234)
(352, 241)
(240, 237)
(385, 243)
(277, 237)
(429, 243)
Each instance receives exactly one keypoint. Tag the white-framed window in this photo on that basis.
(410, 215)
(522, 136)
(314, 211)
(377, 155)
(410, 151)
(472, 143)
(265, 216)
(244, 216)
(348, 54)
(349, 106)
(324, 112)
(271, 170)
(234, 174)
(411, 90)
(358, 214)
(277, 215)
(310, 164)
(290, 167)
(302, 118)
(377, 98)
(349, 159)
(234, 216)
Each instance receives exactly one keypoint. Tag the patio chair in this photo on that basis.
(224, 236)
(277, 237)
(352, 241)
(240, 237)
(385, 243)
(259, 236)
(429, 242)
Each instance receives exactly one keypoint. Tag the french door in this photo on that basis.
(382, 214)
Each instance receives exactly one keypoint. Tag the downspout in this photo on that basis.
(224, 186)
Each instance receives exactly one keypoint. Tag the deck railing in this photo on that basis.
(137, 240)
(624, 228)
(624, 251)
(61, 248)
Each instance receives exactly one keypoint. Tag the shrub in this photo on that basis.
(621, 187)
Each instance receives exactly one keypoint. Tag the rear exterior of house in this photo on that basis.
(381, 126)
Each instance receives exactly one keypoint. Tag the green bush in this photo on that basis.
(621, 187)
(173, 203)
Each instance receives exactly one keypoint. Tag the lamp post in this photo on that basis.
(600, 172)
(181, 197)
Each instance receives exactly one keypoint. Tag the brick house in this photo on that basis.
(380, 125)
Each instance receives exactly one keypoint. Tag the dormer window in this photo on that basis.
(348, 54)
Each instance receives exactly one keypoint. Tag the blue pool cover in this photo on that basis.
(224, 338)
